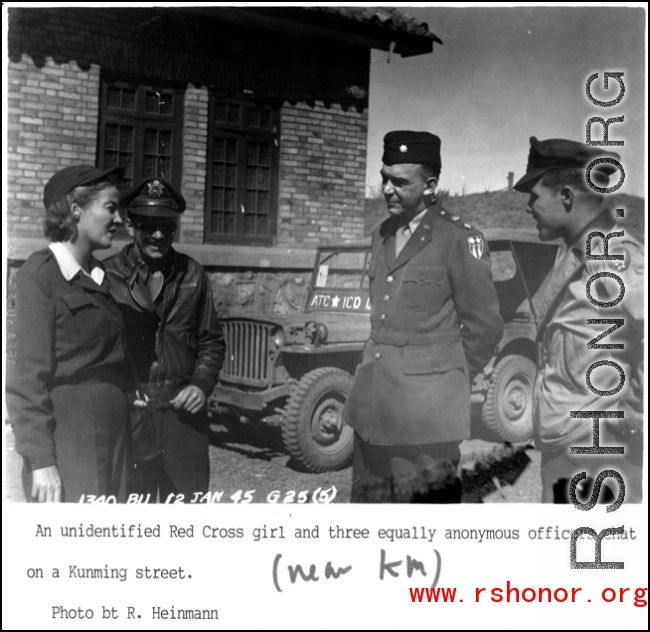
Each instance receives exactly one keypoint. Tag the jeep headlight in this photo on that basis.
(279, 338)
(315, 333)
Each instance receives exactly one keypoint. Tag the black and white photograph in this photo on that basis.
(285, 256)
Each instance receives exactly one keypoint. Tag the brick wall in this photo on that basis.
(54, 81)
(195, 139)
(322, 174)
(52, 123)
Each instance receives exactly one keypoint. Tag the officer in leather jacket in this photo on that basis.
(175, 342)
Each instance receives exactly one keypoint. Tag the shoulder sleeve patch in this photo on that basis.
(621, 264)
(476, 245)
(599, 266)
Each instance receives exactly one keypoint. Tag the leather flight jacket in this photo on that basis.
(176, 341)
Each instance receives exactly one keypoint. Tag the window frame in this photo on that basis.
(243, 133)
(140, 119)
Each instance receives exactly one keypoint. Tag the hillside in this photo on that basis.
(507, 209)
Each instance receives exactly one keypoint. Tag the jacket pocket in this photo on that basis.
(79, 318)
(424, 288)
(180, 350)
(76, 301)
(433, 358)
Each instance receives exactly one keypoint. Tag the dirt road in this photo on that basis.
(251, 458)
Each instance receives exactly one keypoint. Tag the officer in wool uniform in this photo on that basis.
(435, 324)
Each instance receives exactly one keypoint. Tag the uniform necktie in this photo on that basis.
(156, 280)
(401, 237)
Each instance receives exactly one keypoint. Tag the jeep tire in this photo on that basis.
(508, 407)
(313, 430)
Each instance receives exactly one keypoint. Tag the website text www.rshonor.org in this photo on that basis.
(514, 594)
(510, 593)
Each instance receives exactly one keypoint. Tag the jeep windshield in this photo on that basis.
(340, 280)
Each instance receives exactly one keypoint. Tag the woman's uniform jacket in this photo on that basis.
(64, 393)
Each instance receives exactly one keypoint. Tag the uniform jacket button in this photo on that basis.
(377, 355)
(386, 297)
(389, 279)
(382, 317)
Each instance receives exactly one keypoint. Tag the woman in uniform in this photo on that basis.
(65, 392)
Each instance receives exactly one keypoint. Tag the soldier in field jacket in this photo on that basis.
(435, 324)
(563, 205)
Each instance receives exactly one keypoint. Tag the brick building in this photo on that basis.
(259, 115)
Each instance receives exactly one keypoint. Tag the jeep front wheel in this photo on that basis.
(508, 407)
(313, 429)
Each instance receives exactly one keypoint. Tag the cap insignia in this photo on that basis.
(403, 148)
(155, 189)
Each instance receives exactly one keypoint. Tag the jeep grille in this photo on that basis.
(247, 357)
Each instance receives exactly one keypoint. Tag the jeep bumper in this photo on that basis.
(249, 400)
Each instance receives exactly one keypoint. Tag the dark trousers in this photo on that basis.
(405, 473)
(183, 468)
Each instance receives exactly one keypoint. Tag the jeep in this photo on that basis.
(296, 370)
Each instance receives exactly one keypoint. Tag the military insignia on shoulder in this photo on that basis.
(621, 264)
(156, 189)
(476, 246)
(455, 219)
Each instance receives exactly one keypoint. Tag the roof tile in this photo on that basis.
(386, 17)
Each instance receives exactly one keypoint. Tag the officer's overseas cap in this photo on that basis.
(404, 146)
(154, 197)
(69, 178)
(557, 153)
